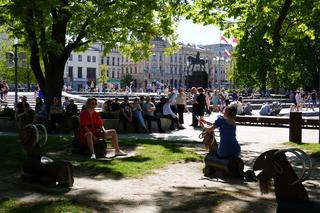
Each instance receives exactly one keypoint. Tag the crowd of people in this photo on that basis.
(143, 111)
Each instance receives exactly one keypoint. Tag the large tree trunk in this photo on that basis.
(54, 80)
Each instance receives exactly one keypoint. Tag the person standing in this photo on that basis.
(181, 102)
(201, 103)
(5, 90)
(194, 95)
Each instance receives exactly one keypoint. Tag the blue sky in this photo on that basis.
(197, 34)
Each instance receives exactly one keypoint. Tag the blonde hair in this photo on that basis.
(89, 100)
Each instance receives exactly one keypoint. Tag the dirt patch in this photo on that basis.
(179, 187)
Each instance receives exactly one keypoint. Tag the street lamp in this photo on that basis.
(15, 43)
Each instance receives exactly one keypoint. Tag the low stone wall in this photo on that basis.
(10, 125)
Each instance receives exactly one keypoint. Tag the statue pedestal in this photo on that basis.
(198, 79)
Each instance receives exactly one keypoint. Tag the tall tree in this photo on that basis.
(54, 28)
(279, 24)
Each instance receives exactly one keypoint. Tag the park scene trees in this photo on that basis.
(53, 29)
(277, 48)
(168, 170)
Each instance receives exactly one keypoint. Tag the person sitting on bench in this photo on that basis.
(265, 109)
(229, 145)
(92, 129)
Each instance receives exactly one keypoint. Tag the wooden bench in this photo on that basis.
(274, 121)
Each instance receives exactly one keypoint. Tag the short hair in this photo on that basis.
(232, 110)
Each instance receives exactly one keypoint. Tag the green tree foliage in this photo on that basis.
(103, 74)
(126, 80)
(54, 28)
(279, 39)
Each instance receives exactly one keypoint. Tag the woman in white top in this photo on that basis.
(181, 102)
(167, 113)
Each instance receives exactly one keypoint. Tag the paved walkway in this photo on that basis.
(245, 134)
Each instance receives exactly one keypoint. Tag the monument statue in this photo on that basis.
(197, 60)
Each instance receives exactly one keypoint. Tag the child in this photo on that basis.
(229, 145)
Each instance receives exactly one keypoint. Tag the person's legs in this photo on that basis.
(124, 123)
(148, 119)
(90, 141)
(158, 120)
(111, 133)
(172, 121)
(180, 109)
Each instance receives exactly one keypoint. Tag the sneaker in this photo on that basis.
(93, 156)
(120, 153)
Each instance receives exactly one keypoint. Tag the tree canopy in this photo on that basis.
(52, 29)
(279, 39)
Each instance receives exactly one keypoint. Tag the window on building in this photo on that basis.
(160, 57)
(118, 61)
(91, 74)
(102, 60)
(79, 72)
(88, 58)
(118, 74)
(93, 59)
(108, 60)
(154, 57)
(112, 74)
(70, 72)
(112, 61)
(79, 57)
(70, 57)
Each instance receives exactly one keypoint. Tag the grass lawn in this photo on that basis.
(50, 206)
(313, 149)
(149, 155)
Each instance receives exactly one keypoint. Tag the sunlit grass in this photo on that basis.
(148, 155)
(53, 206)
(312, 148)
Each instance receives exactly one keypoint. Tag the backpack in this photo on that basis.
(100, 148)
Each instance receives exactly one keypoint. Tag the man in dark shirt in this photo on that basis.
(115, 106)
(71, 108)
(23, 112)
(126, 115)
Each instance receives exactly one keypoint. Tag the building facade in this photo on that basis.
(172, 70)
